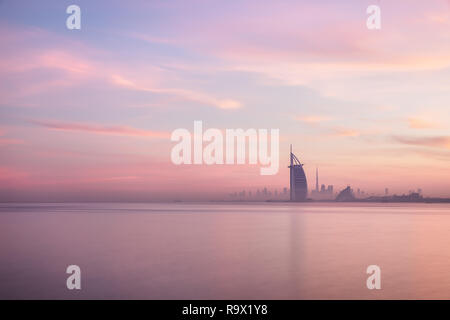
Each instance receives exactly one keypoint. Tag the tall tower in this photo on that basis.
(317, 179)
(298, 184)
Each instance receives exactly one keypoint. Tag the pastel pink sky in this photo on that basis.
(87, 114)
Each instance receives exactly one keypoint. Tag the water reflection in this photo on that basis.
(225, 251)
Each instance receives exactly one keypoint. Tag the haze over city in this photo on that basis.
(87, 115)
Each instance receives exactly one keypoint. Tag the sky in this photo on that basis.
(86, 115)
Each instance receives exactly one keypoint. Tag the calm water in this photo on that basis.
(225, 251)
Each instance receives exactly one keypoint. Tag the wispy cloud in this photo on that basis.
(149, 38)
(437, 141)
(12, 174)
(5, 141)
(420, 123)
(185, 94)
(77, 67)
(345, 132)
(313, 119)
(100, 129)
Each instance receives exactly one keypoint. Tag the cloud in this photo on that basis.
(333, 53)
(437, 141)
(312, 119)
(121, 178)
(100, 129)
(344, 132)
(148, 38)
(418, 123)
(36, 61)
(185, 94)
(4, 141)
(78, 65)
(12, 174)
(442, 18)
(46, 59)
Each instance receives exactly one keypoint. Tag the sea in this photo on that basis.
(224, 250)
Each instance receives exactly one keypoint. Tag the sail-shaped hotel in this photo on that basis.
(298, 184)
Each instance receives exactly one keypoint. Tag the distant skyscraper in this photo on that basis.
(330, 189)
(317, 179)
(298, 184)
(322, 193)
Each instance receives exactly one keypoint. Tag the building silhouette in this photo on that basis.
(324, 193)
(317, 179)
(298, 184)
(346, 195)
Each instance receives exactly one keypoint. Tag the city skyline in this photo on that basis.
(86, 115)
(321, 191)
